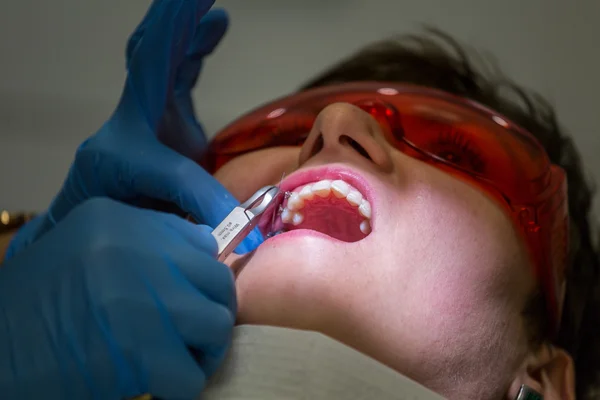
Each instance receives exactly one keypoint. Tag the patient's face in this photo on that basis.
(435, 290)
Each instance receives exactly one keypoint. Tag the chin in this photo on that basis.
(288, 280)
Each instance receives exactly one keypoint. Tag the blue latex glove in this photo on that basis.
(109, 303)
(139, 152)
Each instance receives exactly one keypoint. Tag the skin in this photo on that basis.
(435, 291)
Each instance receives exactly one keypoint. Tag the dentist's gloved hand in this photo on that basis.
(135, 303)
(145, 150)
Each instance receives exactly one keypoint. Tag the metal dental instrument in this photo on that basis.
(276, 212)
(240, 222)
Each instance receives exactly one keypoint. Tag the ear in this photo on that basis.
(550, 371)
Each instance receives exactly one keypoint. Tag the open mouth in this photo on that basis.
(333, 207)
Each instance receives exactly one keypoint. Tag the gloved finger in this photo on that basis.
(129, 303)
(199, 236)
(23, 236)
(202, 273)
(201, 323)
(204, 325)
(180, 129)
(182, 378)
(154, 63)
(212, 358)
(164, 365)
(208, 35)
(137, 34)
(210, 31)
(158, 172)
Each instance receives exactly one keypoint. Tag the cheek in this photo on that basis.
(450, 281)
(243, 175)
(455, 258)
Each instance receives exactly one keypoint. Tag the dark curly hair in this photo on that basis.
(436, 60)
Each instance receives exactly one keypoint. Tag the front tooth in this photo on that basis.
(340, 188)
(295, 202)
(354, 198)
(365, 209)
(306, 193)
(286, 216)
(297, 218)
(365, 227)
(322, 188)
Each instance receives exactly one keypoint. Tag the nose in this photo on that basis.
(344, 132)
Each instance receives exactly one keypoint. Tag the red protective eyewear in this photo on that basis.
(454, 134)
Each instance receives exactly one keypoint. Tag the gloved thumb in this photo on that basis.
(180, 129)
(208, 35)
(156, 50)
(161, 173)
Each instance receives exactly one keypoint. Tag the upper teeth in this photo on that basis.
(340, 189)
(321, 188)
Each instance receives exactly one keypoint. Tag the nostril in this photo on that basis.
(356, 146)
(317, 146)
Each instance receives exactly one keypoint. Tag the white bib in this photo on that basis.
(267, 363)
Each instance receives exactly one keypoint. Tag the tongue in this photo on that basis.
(331, 216)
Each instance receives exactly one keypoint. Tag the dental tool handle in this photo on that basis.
(240, 222)
(231, 231)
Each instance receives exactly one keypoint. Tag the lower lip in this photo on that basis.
(302, 233)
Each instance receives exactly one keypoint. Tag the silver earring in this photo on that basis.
(527, 393)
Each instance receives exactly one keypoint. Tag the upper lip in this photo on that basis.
(309, 175)
(331, 172)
